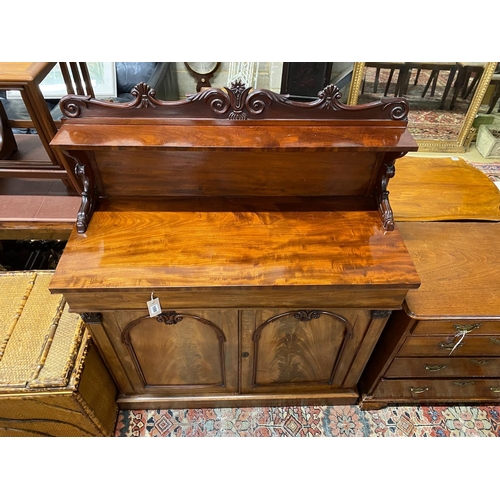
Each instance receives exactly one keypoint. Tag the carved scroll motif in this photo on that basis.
(84, 172)
(387, 172)
(236, 102)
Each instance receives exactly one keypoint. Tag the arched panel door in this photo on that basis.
(181, 351)
(296, 349)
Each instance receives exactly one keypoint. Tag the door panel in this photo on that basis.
(183, 351)
(299, 350)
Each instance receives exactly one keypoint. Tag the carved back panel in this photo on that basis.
(234, 142)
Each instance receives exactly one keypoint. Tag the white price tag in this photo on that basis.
(154, 307)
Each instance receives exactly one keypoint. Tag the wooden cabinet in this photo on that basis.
(263, 227)
(228, 355)
(445, 345)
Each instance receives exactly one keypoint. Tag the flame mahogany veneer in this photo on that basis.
(264, 227)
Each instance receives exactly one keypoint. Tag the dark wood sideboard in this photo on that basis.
(263, 226)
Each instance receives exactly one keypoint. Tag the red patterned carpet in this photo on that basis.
(492, 170)
(425, 119)
(313, 421)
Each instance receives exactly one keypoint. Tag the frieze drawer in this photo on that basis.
(452, 390)
(444, 367)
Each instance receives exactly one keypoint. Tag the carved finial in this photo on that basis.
(330, 95)
(144, 95)
(237, 95)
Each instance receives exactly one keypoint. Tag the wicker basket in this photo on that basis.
(52, 379)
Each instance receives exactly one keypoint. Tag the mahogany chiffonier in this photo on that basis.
(262, 226)
(444, 346)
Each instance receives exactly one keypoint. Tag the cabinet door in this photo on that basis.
(301, 350)
(180, 352)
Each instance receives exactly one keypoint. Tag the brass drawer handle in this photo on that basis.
(463, 383)
(418, 390)
(494, 340)
(465, 329)
(435, 368)
(450, 346)
(480, 362)
(495, 389)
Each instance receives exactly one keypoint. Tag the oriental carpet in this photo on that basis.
(313, 421)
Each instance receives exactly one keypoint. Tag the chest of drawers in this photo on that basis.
(444, 346)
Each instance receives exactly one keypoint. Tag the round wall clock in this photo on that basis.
(202, 71)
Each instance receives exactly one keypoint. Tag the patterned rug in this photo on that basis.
(425, 119)
(492, 170)
(313, 421)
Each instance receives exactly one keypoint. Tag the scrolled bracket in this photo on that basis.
(84, 172)
(387, 172)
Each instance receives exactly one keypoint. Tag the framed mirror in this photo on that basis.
(441, 114)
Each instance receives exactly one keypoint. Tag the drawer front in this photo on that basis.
(444, 367)
(459, 389)
(472, 327)
(443, 346)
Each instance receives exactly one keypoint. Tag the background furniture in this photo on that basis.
(269, 244)
(445, 345)
(33, 158)
(161, 76)
(303, 80)
(52, 380)
(418, 194)
(495, 80)
(435, 67)
(392, 66)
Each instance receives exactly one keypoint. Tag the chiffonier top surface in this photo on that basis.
(183, 248)
(459, 268)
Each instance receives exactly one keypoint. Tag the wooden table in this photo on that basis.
(34, 158)
(439, 189)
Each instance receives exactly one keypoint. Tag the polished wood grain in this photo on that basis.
(440, 189)
(198, 350)
(459, 268)
(234, 136)
(238, 174)
(296, 349)
(154, 251)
